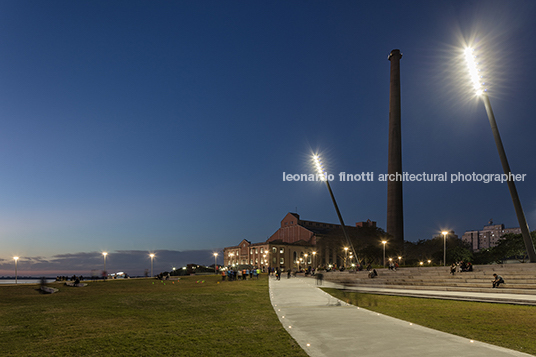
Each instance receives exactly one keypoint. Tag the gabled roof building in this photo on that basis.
(299, 243)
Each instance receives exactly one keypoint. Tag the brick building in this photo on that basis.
(300, 243)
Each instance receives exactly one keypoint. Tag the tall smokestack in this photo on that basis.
(395, 217)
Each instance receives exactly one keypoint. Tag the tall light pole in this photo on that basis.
(16, 274)
(345, 256)
(152, 258)
(314, 259)
(324, 177)
(384, 242)
(444, 247)
(476, 78)
(215, 262)
(104, 254)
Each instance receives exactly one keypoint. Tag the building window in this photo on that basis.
(274, 260)
(282, 261)
(251, 251)
(282, 250)
(274, 250)
(262, 250)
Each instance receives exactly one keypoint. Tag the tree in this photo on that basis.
(511, 246)
(425, 249)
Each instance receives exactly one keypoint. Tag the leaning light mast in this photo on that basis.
(480, 90)
(322, 174)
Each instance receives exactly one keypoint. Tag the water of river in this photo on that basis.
(23, 281)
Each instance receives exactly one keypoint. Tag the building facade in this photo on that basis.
(487, 237)
(297, 244)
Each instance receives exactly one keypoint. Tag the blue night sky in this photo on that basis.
(146, 126)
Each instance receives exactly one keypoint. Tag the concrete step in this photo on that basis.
(517, 276)
(488, 289)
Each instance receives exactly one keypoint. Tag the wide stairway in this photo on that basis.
(519, 278)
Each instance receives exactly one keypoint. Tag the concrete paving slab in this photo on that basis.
(325, 326)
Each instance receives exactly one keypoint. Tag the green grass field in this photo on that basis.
(510, 326)
(199, 316)
(144, 317)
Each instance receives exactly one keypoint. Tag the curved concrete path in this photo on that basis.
(325, 326)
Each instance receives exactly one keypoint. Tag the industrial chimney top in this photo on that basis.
(394, 53)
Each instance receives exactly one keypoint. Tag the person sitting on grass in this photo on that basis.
(498, 280)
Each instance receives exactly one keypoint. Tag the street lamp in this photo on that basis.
(323, 175)
(480, 91)
(215, 262)
(152, 258)
(104, 254)
(384, 242)
(306, 262)
(444, 247)
(16, 274)
(345, 256)
(399, 261)
(314, 256)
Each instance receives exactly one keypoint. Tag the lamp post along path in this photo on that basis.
(152, 258)
(384, 242)
(215, 262)
(480, 91)
(104, 254)
(16, 274)
(444, 247)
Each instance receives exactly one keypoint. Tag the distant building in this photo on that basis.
(487, 237)
(299, 243)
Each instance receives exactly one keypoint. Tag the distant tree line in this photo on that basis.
(509, 247)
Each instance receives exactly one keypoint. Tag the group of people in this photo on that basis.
(238, 274)
(467, 267)
(393, 265)
(461, 267)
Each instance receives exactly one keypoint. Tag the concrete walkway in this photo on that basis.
(325, 326)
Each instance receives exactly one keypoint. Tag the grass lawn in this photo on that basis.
(144, 317)
(510, 326)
